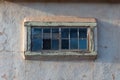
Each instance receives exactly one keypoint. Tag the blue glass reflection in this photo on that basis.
(82, 44)
(73, 43)
(55, 30)
(73, 33)
(83, 33)
(36, 33)
(65, 33)
(65, 44)
(36, 44)
(55, 33)
(55, 44)
(46, 30)
(36, 30)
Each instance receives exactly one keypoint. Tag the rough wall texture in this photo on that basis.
(14, 67)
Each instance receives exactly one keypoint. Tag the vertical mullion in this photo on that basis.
(51, 36)
(42, 38)
(78, 38)
(60, 38)
(69, 38)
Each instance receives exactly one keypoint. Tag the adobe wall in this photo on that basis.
(14, 67)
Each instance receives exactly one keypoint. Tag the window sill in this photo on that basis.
(60, 56)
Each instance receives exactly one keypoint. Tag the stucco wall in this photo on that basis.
(14, 67)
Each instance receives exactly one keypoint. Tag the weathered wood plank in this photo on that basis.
(32, 23)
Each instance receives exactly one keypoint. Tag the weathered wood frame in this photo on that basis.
(51, 55)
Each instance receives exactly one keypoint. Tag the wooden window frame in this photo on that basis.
(64, 54)
(60, 49)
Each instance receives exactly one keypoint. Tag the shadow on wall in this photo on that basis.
(108, 41)
(66, 9)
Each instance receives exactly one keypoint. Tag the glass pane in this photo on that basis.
(55, 30)
(82, 44)
(73, 43)
(73, 33)
(65, 44)
(55, 33)
(46, 33)
(36, 41)
(46, 44)
(83, 33)
(55, 36)
(47, 30)
(55, 44)
(36, 30)
(65, 33)
(36, 33)
(46, 36)
(36, 44)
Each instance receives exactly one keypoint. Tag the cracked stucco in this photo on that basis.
(14, 67)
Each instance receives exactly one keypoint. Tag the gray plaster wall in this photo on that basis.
(14, 67)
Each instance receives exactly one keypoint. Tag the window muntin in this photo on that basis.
(59, 38)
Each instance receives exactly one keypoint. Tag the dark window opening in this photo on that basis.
(65, 44)
(46, 44)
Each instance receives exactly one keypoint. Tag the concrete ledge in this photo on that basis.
(60, 19)
(60, 56)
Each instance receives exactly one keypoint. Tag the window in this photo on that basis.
(58, 39)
